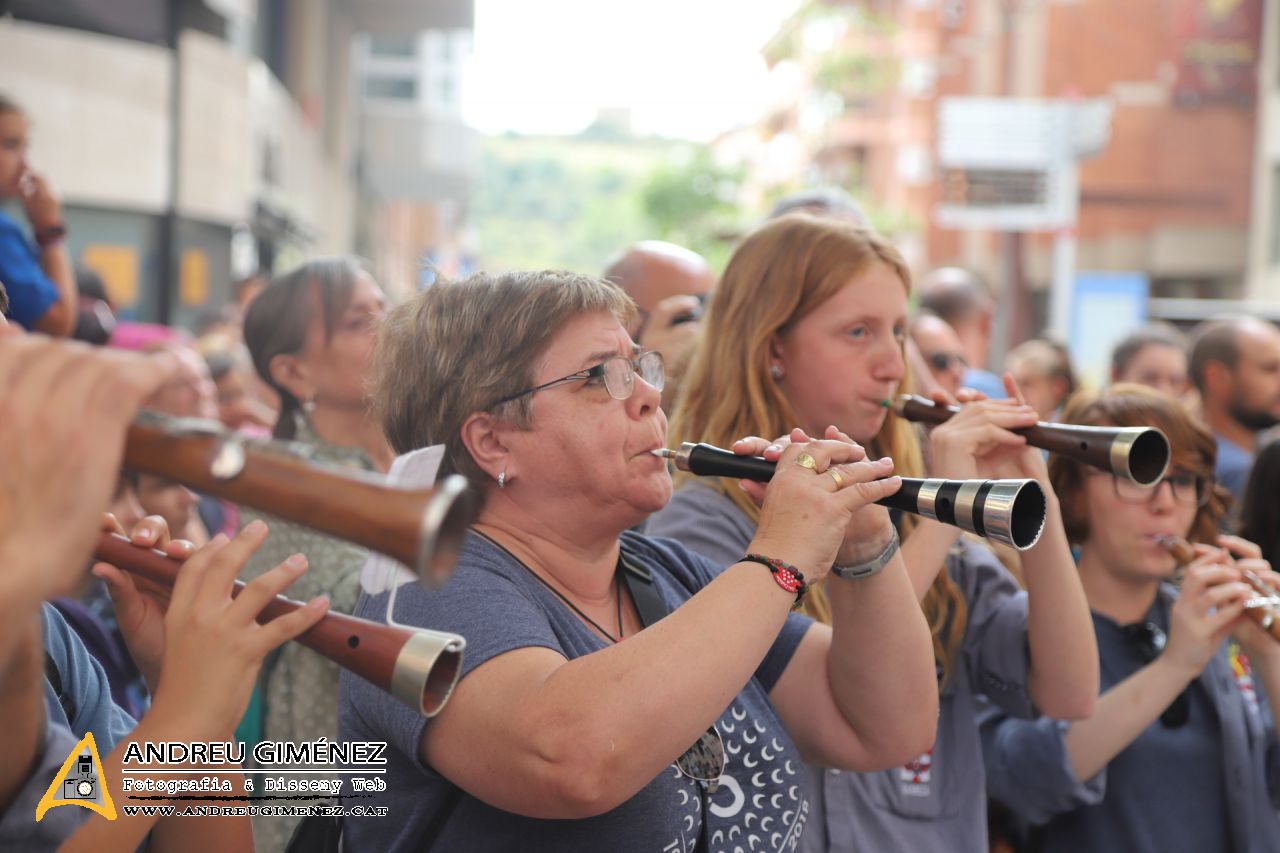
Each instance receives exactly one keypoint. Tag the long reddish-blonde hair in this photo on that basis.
(781, 273)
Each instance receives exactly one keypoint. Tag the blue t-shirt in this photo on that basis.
(85, 688)
(31, 293)
(499, 606)
(1232, 473)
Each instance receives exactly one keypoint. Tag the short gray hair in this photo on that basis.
(460, 346)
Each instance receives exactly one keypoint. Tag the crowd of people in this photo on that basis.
(653, 662)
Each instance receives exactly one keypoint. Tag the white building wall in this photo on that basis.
(99, 109)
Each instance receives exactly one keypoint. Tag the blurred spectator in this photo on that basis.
(95, 315)
(247, 289)
(1154, 355)
(1235, 364)
(1260, 509)
(91, 614)
(238, 406)
(177, 505)
(829, 202)
(960, 298)
(1043, 371)
(188, 393)
(940, 348)
(227, 322)
(38, 275)
(311, 334)
(191, 392)
(669, 285)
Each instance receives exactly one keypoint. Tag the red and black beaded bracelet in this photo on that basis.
(786, 575)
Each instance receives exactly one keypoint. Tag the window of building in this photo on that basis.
(393, 45)
(393, 88)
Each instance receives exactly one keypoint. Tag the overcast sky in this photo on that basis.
(685, 68)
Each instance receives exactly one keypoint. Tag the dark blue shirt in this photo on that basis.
(31, 293)
(499, 606)
(1208, 783)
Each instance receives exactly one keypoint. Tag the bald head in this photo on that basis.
(941, 349)
(651, 271)
(959, 297)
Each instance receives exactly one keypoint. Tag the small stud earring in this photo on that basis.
(775, 370)
(502, 480)
(309, 405)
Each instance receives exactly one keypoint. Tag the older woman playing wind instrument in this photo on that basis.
(619, 693)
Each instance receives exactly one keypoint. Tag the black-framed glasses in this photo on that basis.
(1188, 488)
(704, 762)
(942, 361)
(618, 373)
(1149, 639)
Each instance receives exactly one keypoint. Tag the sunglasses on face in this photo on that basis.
(1149, 640)
(942, 361)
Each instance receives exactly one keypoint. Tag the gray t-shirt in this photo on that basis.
(1209, 783)
(499, 606)
(937, 802)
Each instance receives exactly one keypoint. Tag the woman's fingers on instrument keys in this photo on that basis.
(1239, 546)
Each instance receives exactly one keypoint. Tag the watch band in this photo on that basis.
(50, 235)
(859, 571)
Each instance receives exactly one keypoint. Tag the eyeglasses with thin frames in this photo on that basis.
(618, 373)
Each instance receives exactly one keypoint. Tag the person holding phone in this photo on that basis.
(36, 270)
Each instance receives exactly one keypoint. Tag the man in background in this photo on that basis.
(960, 298)
(1235, 364)
(670, 285)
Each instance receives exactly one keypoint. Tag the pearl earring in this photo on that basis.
(775, 370)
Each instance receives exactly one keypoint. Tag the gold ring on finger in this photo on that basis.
(804, 460)
(835, 475)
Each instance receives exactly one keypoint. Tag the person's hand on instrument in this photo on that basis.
(809, 507)
(1256, 642)
(1209, 606)
(140, 604)
(978, 442)
(213, 644)
(64, 410)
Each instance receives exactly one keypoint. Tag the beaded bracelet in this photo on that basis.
(786, 575)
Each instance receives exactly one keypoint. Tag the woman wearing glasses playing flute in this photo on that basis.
(1180, 753)
(807, 327)
(613, 683)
